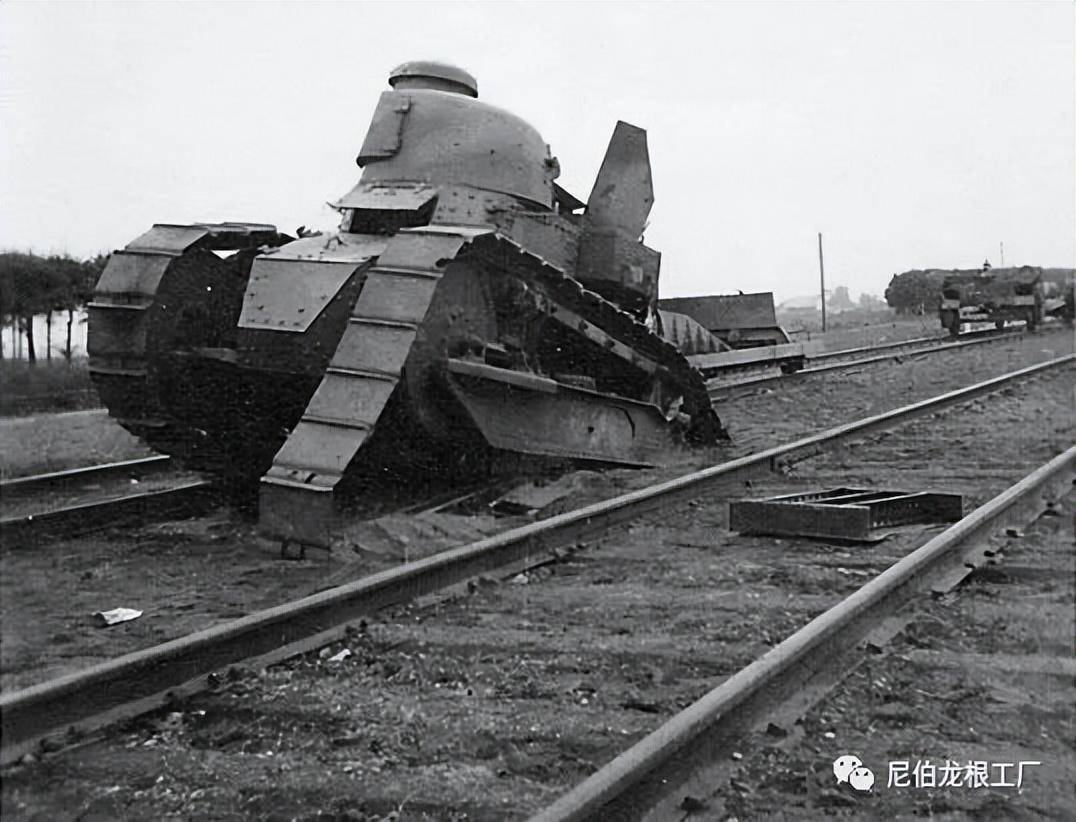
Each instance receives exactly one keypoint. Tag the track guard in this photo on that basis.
(137, 311)
(296, 499)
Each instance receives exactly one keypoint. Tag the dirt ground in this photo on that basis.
(983, 674)
(902, 328)
(194, 574)
(487, 705)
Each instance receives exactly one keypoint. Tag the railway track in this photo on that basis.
(898, 346)
(82, 500)
(665, 773)
(66, 709)
(831, 361)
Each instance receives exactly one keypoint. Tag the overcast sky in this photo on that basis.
(911, 135)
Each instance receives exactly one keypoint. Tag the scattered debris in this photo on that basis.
(527, 500)
(116, 616)
(692, 804)
(340, 657)
(532, 497)
(852, 572)
(641, 705)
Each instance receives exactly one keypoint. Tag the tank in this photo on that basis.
(467, 313)
(992, 295)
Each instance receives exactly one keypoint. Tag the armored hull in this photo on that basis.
(467, 311)
(992, 295)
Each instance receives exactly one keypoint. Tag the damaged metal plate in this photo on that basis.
(387, 198)
(288, 295)
(290, 287)
(169, 239)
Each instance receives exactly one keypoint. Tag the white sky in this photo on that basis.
(911, 135)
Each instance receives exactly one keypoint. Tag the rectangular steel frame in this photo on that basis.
(851, 514)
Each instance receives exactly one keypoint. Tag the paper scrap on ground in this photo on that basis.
(117, 615)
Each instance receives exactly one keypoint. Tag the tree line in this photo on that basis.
(32, 285)
(916, 292)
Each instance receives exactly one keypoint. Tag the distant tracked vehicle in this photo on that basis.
(994, 295)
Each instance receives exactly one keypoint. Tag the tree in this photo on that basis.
(27, 281)
(869, 302)
(31, 285)
(915, 291)
(79, 281)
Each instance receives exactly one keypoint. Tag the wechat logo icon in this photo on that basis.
(851, 770)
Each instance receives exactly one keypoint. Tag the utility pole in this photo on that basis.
(1003, 254)
(822, 278)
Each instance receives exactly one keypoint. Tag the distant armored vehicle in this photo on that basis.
(992, 295)
(468, 309)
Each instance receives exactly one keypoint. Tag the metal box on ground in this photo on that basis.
(846, 514)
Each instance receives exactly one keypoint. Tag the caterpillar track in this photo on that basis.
(163, 307)
(468, 313)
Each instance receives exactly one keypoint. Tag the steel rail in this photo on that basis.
(933, 349)
(970, 336)
(36, 482)
(646, 780)
(145, 680)
(85, 517)
(720, 389)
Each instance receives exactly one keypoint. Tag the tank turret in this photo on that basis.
(424, 134)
